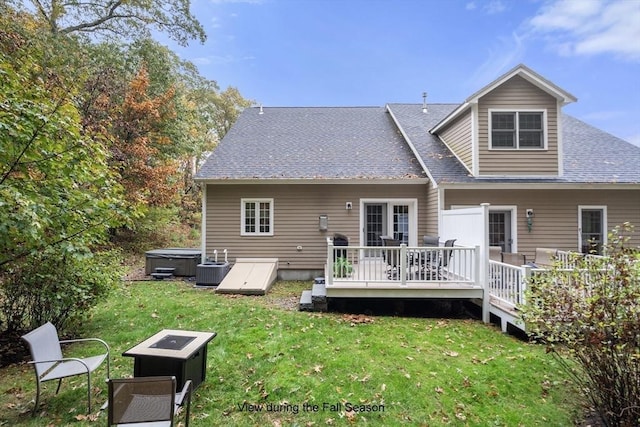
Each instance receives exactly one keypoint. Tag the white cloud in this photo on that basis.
(591, 27)
(495, 6)
(492, 7)
(203, 60)
(502, 56)
(222, 60)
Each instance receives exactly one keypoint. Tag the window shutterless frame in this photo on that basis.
(592, 229)
(256, 217)
(517, 129)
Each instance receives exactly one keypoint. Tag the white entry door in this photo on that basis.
(592, 229)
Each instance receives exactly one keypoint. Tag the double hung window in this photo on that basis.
(517, 129)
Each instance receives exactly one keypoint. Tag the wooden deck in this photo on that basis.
(405, 273)
(372, 277)
(420, 273)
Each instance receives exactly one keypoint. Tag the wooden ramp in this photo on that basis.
(250, 276)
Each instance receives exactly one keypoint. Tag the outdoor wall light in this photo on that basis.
(529, 214)
(323, 222)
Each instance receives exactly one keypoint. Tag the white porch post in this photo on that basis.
(329, 273)
(527, 272)
(483, 252)
(203, 225)
(403, 264)
(482, 275)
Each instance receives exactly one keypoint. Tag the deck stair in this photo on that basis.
(316, 298)
(161, 273)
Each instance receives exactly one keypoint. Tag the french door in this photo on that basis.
(395, 218)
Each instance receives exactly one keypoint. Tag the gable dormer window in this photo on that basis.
(517, 130)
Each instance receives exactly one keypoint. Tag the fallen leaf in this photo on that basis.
(439, 390)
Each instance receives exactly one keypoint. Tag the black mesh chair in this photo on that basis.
(435, 264)
(391, 256)
(133, 401)
(431, 241)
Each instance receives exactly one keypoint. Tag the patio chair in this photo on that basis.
(431, 241)
(391, 257)
(495, 253)
(433, 268)
(545, 257)
(49, 363)
(514, 258)
(147, 400)
(424, 257)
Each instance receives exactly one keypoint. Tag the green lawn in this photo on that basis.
(310, 369)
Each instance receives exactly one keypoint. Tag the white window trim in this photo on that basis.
(605, 226)
(413, 216)
(243, 203)
(518, 110)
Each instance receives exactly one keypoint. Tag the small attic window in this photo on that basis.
(517, 129)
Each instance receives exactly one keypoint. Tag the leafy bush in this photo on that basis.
(590, 318)
(56, 286)
(342, 267)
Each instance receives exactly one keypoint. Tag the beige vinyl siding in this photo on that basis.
(297, 208)
(555, 222)
(517, 94)
(432, 216)
(457, 136)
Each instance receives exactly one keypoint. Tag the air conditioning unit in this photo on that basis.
(211, 273)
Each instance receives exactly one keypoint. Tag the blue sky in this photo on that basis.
(373, 52)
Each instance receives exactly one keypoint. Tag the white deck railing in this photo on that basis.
(402, 265)
(507, 282)
(567, 260)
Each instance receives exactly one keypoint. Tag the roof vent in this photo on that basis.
(424, 102)
(261, 111)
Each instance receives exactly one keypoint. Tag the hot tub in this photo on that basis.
(185, 261)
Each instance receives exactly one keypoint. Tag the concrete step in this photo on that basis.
(319, 293)
(305, 302)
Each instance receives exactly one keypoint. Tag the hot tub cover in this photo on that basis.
(174, 253)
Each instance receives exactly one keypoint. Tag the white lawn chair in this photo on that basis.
(49, 364)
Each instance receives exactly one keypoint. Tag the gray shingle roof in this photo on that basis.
(365, 143)
(313, 143)
(590, 155)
